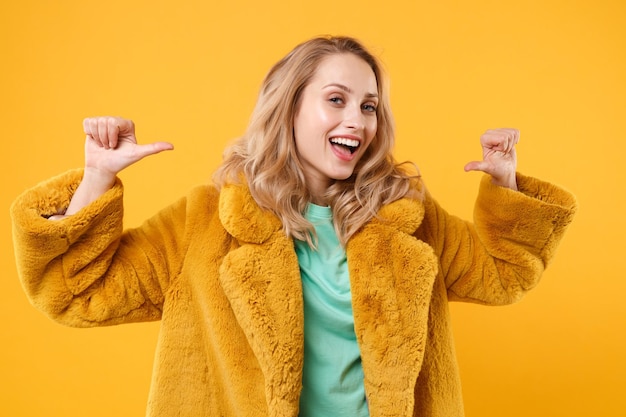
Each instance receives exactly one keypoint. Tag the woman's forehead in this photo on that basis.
(346, 70)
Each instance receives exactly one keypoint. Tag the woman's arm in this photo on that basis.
(518, 224)
(83, 270)
(501, 255)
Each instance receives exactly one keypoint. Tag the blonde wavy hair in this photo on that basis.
(266, 157)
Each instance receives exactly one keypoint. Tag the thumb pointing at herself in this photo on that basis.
(499, 156)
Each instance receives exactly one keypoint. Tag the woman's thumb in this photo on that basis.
(475, 166)
(152, 148)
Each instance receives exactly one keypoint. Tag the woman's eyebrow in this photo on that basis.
(348, 89)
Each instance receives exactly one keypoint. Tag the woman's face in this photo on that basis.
(336, 120)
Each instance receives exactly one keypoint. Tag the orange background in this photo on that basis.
(188, 72)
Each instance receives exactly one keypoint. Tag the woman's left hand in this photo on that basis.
(499, 157)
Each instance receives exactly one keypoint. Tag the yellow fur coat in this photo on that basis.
(224, 280)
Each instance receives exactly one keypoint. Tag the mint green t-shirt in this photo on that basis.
(332, 374)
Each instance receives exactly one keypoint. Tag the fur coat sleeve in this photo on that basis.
(514, 236)
(68, 268)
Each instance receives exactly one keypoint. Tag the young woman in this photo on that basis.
(313, 277)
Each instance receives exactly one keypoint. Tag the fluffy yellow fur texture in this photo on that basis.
(224, 280)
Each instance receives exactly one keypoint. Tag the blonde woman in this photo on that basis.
(312, 278)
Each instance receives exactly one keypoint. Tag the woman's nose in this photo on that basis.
(353, 118)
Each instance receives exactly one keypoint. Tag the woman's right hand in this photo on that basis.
(110, 146)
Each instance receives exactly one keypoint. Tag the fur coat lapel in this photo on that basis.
(261, 278)
(391, 274)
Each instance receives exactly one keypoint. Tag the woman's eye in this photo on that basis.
(369, 107)
(336, 100)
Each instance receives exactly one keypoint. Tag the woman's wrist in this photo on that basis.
(509, 181)
(94, 183)
(97, 180)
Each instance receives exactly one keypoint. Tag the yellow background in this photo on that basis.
(188, 72)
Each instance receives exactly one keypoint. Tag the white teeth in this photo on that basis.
(346, 142)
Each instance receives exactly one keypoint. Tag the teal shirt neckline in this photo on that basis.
(332, 373)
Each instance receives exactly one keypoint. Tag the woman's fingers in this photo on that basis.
(106, 131)
(502, 140)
